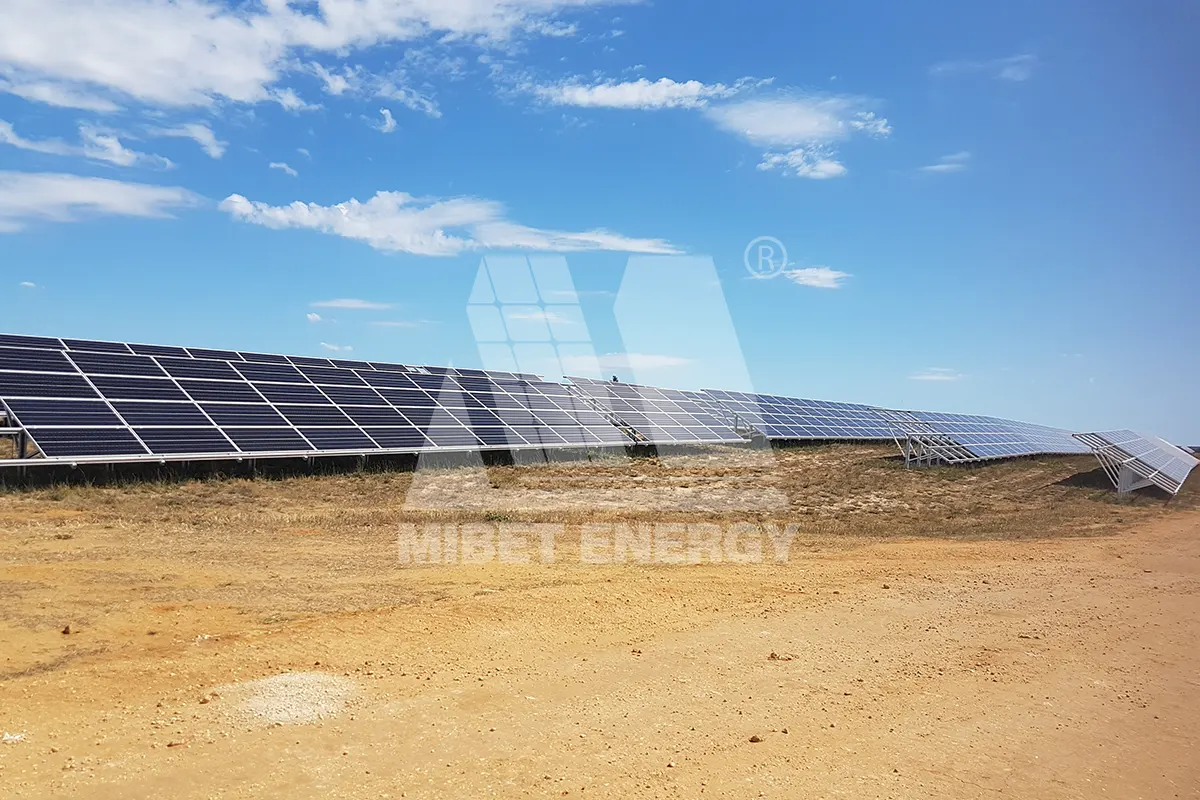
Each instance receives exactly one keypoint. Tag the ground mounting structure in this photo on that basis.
(75, 402)
(1133, 461)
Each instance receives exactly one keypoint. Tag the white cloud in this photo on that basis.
(53, 94)
(28, 285)
(791, 121)
(389, 122)
(640, 94)
(410, 98)
(27, 197)
(399, 222)
(175, 53)
(352, 304)
(800, 130)
(1016, 68)
(813, 162)
(643, 362)
(198, 132)
(817, 277)
(337, 348)
(314, 318)
(282, 166)
(304, 152)
(955, 162)
(290, 101)
(936, 375)
(96, 144)
(102, 145)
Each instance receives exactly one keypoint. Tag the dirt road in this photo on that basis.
(874, 668)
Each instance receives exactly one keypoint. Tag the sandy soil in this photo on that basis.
(1008, 631)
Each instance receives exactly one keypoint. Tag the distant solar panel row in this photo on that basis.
(101, 402)
(778, 417)
(659, 416)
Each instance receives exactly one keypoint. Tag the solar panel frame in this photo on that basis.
(1149, 458)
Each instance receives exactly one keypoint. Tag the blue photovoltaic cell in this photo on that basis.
(353, 396)
(314, 416)
(410, 399)
(86, 413)
(219, 355)
(109, 364)
(445, 436)
(338, 439)
(291, 393)
(96, 347)
(137, 388)
(178, 441)
(277, 373)
(37, 342)
(25, 359)
(309, 362)
(332, 376)
(221, 391)
(267, 440)
(398, 438)
(32, 384)
(138, 414)
(390, 379)
(340, 362)
(158, 350)
(199, 368)
(86, 442)
(385, 367)
(244, 414)
(265, 358)
(374, 416)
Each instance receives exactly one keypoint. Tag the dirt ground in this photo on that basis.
(1012, 630)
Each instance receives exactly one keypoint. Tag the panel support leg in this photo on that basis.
(1129, 481)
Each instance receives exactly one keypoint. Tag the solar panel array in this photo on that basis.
(1154, 460)
(79, 398)
(991, 437)
(658, 416)
(778, 417)
(108, 401)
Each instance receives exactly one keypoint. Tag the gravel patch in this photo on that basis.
(293, 698)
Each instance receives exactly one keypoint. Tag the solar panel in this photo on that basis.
(781, 418)
(34, 360)
(96, 347)
(85, 399)
(1125, 454)
(655, 416)
(36, 342)
(962, 438)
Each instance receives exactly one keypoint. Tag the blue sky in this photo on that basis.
(985, 210)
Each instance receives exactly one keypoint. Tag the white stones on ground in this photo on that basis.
(293, 698)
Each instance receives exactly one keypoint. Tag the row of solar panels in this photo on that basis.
(80, 399)
(85, 346)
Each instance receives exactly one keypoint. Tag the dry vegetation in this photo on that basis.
(965, 595)
(8, 449)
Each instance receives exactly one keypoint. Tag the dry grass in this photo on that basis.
(8, 449)
(840, 490)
